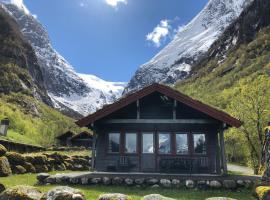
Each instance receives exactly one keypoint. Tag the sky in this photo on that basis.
(112, 38)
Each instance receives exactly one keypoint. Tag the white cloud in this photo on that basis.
(160, 33)
(114, 3)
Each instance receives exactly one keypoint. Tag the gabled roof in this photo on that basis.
(165, 90)
(83, 134)
(65, 135)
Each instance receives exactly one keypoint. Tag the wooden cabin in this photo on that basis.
(159, 129)
(83, 139)
(64, 139)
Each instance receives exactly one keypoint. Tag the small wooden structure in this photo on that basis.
(158, 129)
(83, 139)
(64, 139)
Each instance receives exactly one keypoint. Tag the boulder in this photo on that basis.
(3, 150)
(21, 193)
(240, 183)
(60, 167)
(248, 183)
(50, 180)
(215, 184)
(165, 183)
(42, 176)
(139, 181)
(29, 167)
(117, 181)
(156, 197)
(5, 169)
(40, 159)
(202, 185)
(18, 169)
(106, 181)
(190, 184)
(74, 180)
(41, 168)
(152, 181)
(155, 186)
(114, 196)
(84, 180)
(129, 181)
(96, 181)
(63, 193)
(176, 183)
(229, 184)
(15, 158)
(2, 188)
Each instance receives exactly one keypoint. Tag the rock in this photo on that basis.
(39, 159)
(152, 181)
(42, 176)
(50, 179)
(74, 180)
(248, 183)
(117, 181)
(220, 198)
(229, 184)
(156, 197)
(5, 169)
(15, 158)
(176, 183)
(84, 180)
(63, 193)
(190, 184)
(139, 181)
(18, 169)
(215, 184)
(3, 150)
(165, 183)
(96, 181)
(240, 183)
(29, 167)
(129, 181)
(115, 196)
(155, 186)
(21, 193)
(60, 167)
(106, 181)
(41, 168)
(2, 188)
(202, 185)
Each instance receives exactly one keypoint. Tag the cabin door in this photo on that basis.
(148, 152)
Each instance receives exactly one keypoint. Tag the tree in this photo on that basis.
(252, 106)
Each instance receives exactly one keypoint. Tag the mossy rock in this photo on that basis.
(63, 193)
(5, 169)
(114, 196)
(2, 188)
(41, 168)
(15, 158)
(21, 193)
(263, 192)
(29, 167)
(18, 169)
(40, 159)
(3, 150)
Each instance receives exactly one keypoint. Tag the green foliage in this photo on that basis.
(240, 79)
(32, 121)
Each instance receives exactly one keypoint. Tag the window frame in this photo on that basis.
(108, 142)
(142, 142)
(188, 143)
(171, 144)
(125, 142)
(193, 143)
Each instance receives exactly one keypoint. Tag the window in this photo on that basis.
(164, 140)
(114, 143)
(182, 143)
(199, 143)
(148, 143)
(131, 143)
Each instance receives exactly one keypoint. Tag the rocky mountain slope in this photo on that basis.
(175, 61)
(69, 92)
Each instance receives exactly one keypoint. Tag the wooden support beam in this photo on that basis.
(138, 109)
(223, 152)
(174, 109)
(93, 149)
(159, 121)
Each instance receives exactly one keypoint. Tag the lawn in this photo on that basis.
(92, 192)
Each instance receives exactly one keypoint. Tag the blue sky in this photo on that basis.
(112, 38)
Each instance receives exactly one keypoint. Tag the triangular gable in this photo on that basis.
(213, 112)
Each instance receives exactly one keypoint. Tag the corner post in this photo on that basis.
(138, 109)
(93, 148)
(222, 149)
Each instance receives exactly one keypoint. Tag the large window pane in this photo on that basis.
(164, 143)
(181, 143)
(148, 143)
(114, 142)
(199, 143)
(131, 143)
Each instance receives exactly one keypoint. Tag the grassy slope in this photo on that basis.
(216, 84)
(92, 192)
(32, 121)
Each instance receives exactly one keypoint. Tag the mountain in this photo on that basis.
(189, 46)
(69, 92)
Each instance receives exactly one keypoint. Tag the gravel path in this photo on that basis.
(241, 169)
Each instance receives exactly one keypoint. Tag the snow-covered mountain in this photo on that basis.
(68, 90)
(190, 44)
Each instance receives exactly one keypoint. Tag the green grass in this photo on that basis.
(68, 153)
(92, 192)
